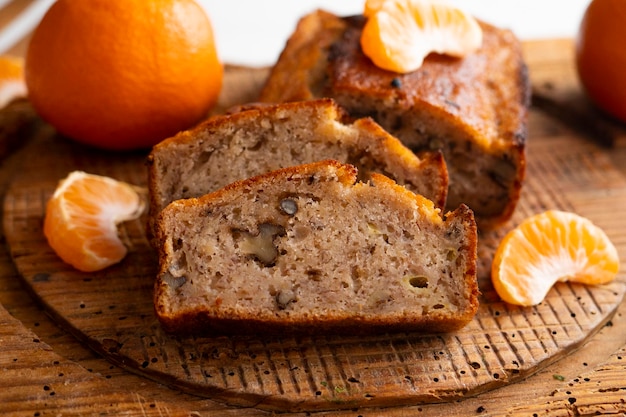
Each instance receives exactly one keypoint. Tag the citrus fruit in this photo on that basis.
(550, 247)
(601, 57)
(12, 83)
(372, 6)
(121, 74)
(399, 34)
(82, 217)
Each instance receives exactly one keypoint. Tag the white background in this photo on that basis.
(253, 32)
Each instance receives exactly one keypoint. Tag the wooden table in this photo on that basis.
(45, 371)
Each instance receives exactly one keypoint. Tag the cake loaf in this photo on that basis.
(311, 248)
(472, 109)
(232, 147)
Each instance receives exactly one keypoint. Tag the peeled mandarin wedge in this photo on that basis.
(547, 248)
(399, 34)
(12, 84)
(82, 217)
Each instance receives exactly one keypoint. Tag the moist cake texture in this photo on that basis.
(473, 109)
(232, 147)
(311, 248)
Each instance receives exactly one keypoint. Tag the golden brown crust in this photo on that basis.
(466, 90)
(179, 310)
(461, 88)
(465, 216)
(301, 65)
(260, 138)
(473, 109)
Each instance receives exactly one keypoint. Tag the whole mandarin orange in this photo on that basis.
(601, 56)
(121, 74)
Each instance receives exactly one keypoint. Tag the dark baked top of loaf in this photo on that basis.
(312, 248)
(473, 109)
(490, 102)
(486, 91)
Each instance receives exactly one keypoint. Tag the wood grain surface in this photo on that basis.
(570, 172)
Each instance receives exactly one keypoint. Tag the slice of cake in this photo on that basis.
(310, 248)
(472, 109)
(232, 147)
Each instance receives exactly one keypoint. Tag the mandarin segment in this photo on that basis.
(399, 34)
(82, 217)
(547, 248)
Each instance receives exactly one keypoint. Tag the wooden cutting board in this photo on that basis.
(111, 311)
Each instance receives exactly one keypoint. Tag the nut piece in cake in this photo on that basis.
(311, 248)
(473, 109)
(260, 139)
